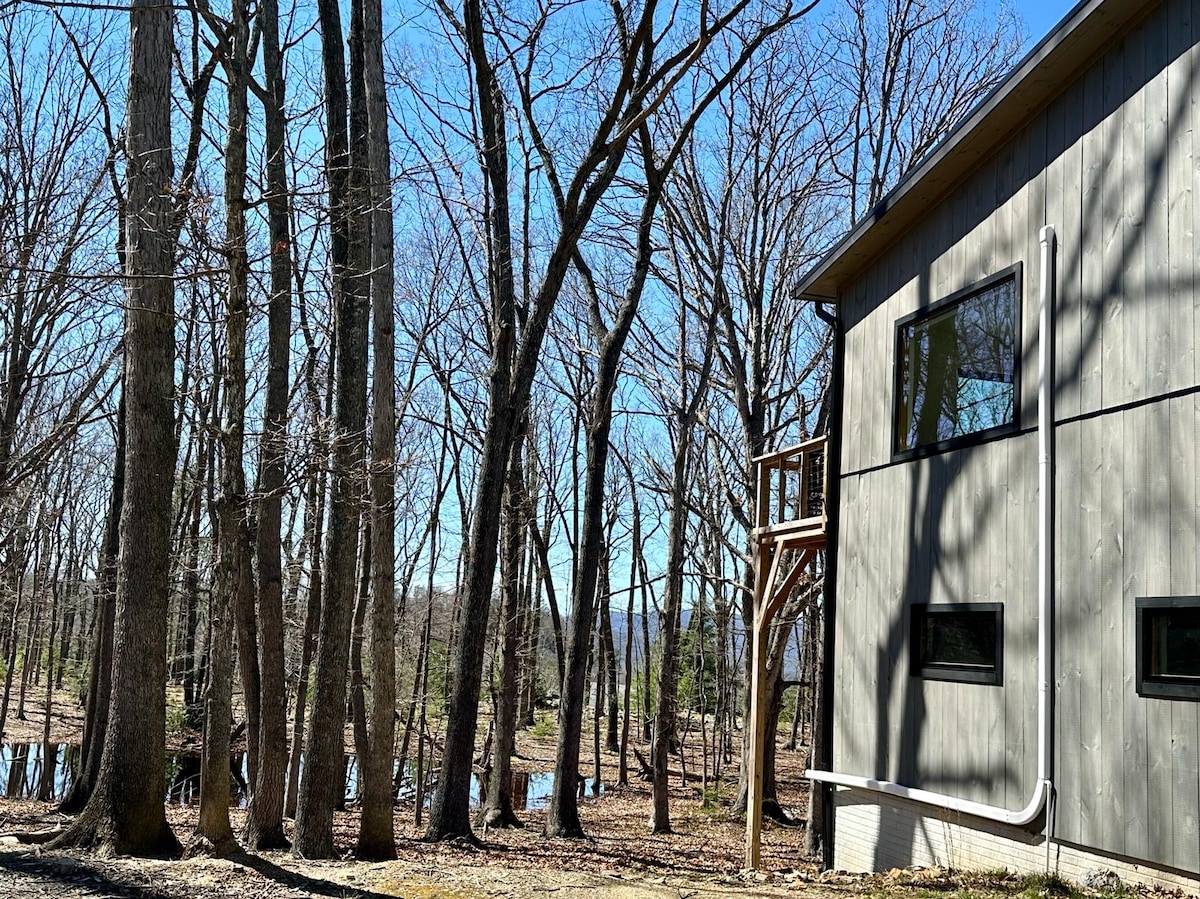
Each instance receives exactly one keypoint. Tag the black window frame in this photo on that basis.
(1160, 686)
(1013, 273)
(919, 613)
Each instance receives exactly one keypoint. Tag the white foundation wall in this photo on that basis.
(874, 832)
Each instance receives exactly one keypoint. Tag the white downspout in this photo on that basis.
(1042, 788)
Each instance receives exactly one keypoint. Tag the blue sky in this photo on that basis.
(1042, 15)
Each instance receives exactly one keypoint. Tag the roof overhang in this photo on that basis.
(1061, 56)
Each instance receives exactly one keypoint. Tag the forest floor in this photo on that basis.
(702, 859)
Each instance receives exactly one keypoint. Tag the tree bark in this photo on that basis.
(214, 833)
(358, 696)
(45, 790)
(264, 817)
(314, 525)
(322, 782)
(635, 538)
(125, 813)
(497, 808)
(612, 708)
(450, 814)
(668, 637)
(376, 835)
(95, 718)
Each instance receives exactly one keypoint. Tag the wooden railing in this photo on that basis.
(791, 494)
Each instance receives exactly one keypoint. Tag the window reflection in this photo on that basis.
(958, 369)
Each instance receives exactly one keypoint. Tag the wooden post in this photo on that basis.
(762, 508)
(767, 559)
(756, 733)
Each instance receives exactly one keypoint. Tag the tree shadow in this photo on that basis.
(94, 878)
(70, 871)
(294, 880)
(1111, 276)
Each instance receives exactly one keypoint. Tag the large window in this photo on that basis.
(958, 642)
(1168, 646)
(956, 367)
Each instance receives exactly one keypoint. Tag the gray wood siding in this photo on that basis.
(1112, 164)
(969, 740)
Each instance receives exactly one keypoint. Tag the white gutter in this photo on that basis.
(1042, 789)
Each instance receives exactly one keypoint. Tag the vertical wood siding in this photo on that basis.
(1112, 164)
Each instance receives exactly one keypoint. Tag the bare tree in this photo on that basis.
(214, 833)
(320, 786)
(904, 71)
(58, 361)
(125, 812)
(496, 808)
(690, 387)
(376, 838)
(636, 86)
(264, 818)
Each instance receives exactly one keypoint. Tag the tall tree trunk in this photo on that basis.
(668, 637)
(686, 415)
(190, 589)
(547, 581)
(376, 833)
(562, 817)
(647, 651)
(636, 541)
(214, 833)
(125, 813)
(419, 693)
(450, 813)
(70, 616)
(531, 608)
(202, 475)
(421, 676)
(45, 790)
(264, 817)
(314, 525)
(10, 662)
(511, 377)
(245, 621)
(358, 695)
(606, 690)
(497, 808)
(612, 711)
(33, 633)
(322, 782)
(95, 718)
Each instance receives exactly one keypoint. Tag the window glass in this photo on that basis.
(1168, 635)
(1175, 644)
(957, 368)
(958, 642)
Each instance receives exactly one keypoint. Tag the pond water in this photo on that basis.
(21, 766)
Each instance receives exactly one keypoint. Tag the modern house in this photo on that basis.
(1014, 486)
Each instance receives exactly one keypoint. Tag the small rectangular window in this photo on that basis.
(956, 367)
(1168, 647)
(958, 642)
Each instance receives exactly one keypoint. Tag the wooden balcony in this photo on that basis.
(791, 512)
